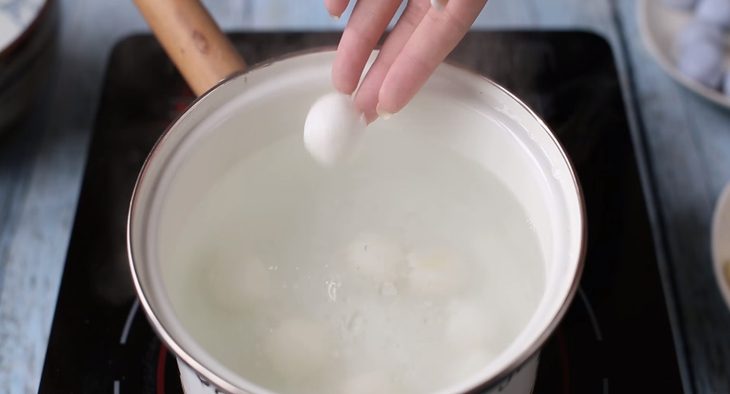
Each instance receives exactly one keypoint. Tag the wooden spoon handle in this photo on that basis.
(193, 41)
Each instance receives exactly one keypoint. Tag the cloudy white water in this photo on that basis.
(405, 270)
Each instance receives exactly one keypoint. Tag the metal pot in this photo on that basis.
(198, 148)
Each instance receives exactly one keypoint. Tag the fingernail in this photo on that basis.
(335, 18)
(363, 118)
(371, 118)
(439, 4)
(383, 114)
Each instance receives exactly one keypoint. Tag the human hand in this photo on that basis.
(419, 42)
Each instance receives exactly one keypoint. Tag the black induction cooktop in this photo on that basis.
(616, 337)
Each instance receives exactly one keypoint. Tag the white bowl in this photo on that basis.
(721, 243)
(16, 17)
(659, 26)
(27, 36)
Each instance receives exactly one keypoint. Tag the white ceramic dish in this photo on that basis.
(15, 18)
(721, 243)
(27, 37)
(659, 25)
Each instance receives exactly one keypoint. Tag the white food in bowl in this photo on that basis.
(703, 62)
(667, 32)
(715, 12)
(697, 32)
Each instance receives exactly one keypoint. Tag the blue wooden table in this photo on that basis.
(684, 144)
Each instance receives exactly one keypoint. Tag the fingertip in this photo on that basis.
(367, 106)
(439, 5)
(435, 37)
(392, 97)
(366, 97)
(336, 7)
(370, 119)
(384, 113)
(385, 104)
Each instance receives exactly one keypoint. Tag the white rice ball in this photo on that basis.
(237, 282)
(695, 33)
(297, 348)
(333, 128)
(434, 272)
(714, 11)
(468, 327)
(375, 257)
(702, 62)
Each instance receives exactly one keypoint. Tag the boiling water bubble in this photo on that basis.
(237, 282)
(332, 287)
(375, 257)
(434, 272)
(297, 348)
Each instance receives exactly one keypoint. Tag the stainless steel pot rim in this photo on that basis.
(223, 384)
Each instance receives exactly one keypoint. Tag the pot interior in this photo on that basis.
(458, 111)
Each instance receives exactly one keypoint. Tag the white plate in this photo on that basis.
(721, 243)
(658, 26)
(16, 16)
